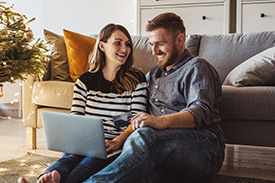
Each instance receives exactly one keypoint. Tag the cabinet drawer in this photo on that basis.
(197, 20)
(258, 17)
(256, 1)
(170, 2)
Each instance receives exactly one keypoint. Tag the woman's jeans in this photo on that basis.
(74, 168)
(170, 155)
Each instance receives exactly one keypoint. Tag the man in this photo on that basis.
(180, 140)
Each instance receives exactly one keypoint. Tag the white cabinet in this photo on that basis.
(175, 2)
(255, 15)
(199, 16)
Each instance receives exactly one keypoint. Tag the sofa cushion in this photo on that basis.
(59, 68)
(53, 94)
(192, 43)
(248, 103)
(78, 48)
(257, 70)
(142, 53)
(227, 51)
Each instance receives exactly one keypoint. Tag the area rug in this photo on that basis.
(31, 165)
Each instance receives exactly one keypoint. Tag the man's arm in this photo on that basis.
(183, 119)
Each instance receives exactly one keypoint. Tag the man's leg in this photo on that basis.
(193, 153)
(133, 162)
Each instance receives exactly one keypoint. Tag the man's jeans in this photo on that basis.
(149, 155)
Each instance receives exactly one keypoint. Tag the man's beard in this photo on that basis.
(172, 59)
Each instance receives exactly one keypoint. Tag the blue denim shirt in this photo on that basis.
(192, 84)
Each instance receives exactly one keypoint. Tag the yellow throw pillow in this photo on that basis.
(78, 48)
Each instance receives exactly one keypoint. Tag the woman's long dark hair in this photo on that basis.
(127, 77)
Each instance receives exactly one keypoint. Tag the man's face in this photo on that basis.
(164, 47)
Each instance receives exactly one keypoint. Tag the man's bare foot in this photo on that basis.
(52, 177)
(22, 180)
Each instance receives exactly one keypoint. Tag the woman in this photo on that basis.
(110, 88)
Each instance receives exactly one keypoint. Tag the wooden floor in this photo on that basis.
(242, 161)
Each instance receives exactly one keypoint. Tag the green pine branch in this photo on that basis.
(19, 54)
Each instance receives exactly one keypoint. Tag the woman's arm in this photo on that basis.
(79, 98)
(117, 142)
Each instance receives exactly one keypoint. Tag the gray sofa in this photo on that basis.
(248, 105)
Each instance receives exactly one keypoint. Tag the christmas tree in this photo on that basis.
(20, 55)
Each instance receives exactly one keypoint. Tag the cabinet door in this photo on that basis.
(258, 17)
(171, 2)
(197, 20)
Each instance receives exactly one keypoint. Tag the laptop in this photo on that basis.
(75, 134)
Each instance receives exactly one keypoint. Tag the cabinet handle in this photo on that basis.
(203, 17)
(262, 15)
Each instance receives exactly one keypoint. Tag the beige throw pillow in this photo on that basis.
(258, 70)
(59, 61)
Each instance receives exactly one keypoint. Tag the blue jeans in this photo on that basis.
(171, 155)
(75, 168)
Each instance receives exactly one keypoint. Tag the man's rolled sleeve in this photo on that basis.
(202, 93)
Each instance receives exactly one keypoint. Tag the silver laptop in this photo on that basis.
(75, 134)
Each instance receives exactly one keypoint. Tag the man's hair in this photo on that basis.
(169, 21)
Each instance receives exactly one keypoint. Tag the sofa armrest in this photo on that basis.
(53, 93)
(248, 103)
(29, 108)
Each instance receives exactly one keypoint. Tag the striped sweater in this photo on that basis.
(93, 96)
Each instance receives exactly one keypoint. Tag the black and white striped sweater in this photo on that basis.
(93, 96)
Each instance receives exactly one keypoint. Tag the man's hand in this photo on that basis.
(143, 119)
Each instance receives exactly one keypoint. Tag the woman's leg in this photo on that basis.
(63, 166)
(87, 167)
(52, 177)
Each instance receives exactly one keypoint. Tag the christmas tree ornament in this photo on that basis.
(28, 35)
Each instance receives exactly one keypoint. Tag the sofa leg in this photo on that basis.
(31, 138)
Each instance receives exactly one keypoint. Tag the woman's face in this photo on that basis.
(116, 49)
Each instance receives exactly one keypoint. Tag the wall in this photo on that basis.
(82, 16)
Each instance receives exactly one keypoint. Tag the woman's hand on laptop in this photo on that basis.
(112, 145)
(117, 143)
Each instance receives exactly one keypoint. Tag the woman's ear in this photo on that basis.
(101, 46)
